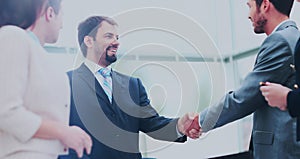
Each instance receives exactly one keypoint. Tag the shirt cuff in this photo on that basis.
(179, 134)
(199, 120)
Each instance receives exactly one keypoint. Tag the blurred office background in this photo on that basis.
(188, 55)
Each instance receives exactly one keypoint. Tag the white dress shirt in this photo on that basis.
(94, 68)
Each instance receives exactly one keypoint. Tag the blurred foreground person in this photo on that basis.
(34, 96)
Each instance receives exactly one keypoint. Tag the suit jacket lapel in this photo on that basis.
(118, 84)
(87, 76)
(121, 94)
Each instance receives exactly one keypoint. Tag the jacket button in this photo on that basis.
(296, 86)
(293, 66)
(66, 105)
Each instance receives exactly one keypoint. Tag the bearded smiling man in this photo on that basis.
(112, 107)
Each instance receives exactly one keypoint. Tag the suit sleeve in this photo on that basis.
(154, 125)
(15, 119)
(293, 103)
(293, 100)
(272, 64)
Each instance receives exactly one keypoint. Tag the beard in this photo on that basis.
(260, 25)
(111, 59)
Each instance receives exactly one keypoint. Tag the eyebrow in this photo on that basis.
(108, 33)
(111, 34)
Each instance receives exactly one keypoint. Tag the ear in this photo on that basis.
(49, 13)
(265, 6)
(88, 41)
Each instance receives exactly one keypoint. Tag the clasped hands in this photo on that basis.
(189, 125)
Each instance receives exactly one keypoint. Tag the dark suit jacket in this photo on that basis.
(115, 127)
(274, 130)
(293, 98)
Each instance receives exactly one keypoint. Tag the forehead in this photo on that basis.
(105, 27)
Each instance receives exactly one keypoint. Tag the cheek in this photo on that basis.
(106, 44)
(102, 46)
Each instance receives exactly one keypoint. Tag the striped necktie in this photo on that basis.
(107, 82)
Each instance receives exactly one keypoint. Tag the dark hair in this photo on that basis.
(55, 4)
(21, 13)
(89, 27)
(283, 6)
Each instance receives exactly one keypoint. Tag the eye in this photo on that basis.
(108, 36)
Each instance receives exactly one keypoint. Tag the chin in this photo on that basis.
(111, 59)
(259, 31)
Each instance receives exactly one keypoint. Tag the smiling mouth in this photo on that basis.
(112, 49)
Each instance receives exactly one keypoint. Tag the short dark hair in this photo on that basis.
(20, 13)
(89, 27)
(55, 4)
(283, 6)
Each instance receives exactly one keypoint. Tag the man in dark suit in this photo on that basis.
(283, 97)
(273, 130)
(113, 107)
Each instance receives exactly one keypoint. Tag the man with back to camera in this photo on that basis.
(283, 97)
(273, 130)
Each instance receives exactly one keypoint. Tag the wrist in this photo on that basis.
(61, 132)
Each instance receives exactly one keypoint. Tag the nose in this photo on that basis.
(116, 42)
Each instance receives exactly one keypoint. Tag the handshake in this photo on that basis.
(189, 125)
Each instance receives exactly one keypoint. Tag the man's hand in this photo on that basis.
(189, 125)
(275, 95)
(75, 138)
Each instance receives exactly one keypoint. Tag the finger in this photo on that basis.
(268, 83)
(194, 136)
(194, 133)
(79, 151)
(264, 93)
(282, 108)
(88, 145)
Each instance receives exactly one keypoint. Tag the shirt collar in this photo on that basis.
(280, 25)
(93, 67)
(33, 36)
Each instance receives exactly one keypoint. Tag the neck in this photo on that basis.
(96, 59)
(274, 22)
(38, 29)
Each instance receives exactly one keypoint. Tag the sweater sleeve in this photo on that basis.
(15, 118)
